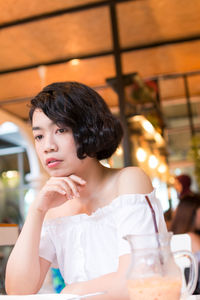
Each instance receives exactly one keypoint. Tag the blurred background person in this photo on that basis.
(187, 220)
(182, 185)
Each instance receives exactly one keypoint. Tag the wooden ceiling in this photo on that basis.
(39, 39)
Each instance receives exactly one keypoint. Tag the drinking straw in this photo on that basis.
(156, 228)
(153, 215)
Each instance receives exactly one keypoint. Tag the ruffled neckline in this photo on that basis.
(120, 200)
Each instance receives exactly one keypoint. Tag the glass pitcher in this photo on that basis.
(153, 273)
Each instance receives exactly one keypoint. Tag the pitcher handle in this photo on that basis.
(193, 274)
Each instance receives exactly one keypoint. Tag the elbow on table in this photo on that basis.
(19, 291)
(14, 287)
(21, 281)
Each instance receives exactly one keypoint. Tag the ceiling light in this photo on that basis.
(158, 138)
(162, 168)
(153, 162)
(74, 62)
(148, 126)
(141, 155)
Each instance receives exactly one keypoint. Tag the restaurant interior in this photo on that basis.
(141, 56)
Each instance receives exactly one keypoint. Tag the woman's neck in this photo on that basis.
(98, 182)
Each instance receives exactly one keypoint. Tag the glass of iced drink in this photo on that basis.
(154, 288)
(153, 273)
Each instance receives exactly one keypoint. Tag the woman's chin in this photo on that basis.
(58, 173)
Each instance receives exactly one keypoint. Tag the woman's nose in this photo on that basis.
(50, 146)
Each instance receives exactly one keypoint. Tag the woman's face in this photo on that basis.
(55, 146)
(197, 219)
(178, 186)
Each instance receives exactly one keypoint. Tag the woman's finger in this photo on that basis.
(62, 185)
(73, 185)
(67, 183)
(77, 179)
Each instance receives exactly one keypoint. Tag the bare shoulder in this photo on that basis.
(133, 180)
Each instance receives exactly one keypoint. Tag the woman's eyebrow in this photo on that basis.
(50, 125)
(36, 128)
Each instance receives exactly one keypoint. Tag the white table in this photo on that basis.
(61, 297)
(38, 297)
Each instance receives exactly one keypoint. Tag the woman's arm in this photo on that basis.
(26, 271)
(114, 284)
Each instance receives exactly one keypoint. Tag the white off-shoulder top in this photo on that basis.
(85, 246)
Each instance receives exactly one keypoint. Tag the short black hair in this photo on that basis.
(96, 131)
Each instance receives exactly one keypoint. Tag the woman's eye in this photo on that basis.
(62, 130)
(38, 137)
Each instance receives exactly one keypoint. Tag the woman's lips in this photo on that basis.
(53, 162)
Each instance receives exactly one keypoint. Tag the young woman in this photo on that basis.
(182, 185)
(87, 207)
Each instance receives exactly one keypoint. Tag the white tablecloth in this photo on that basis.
(39, 297)
(194, 297)
(61, 297)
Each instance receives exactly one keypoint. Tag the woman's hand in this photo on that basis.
(58, 190)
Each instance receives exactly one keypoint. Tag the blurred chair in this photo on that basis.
(181, 242)
(8, 234)
(8, 237)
